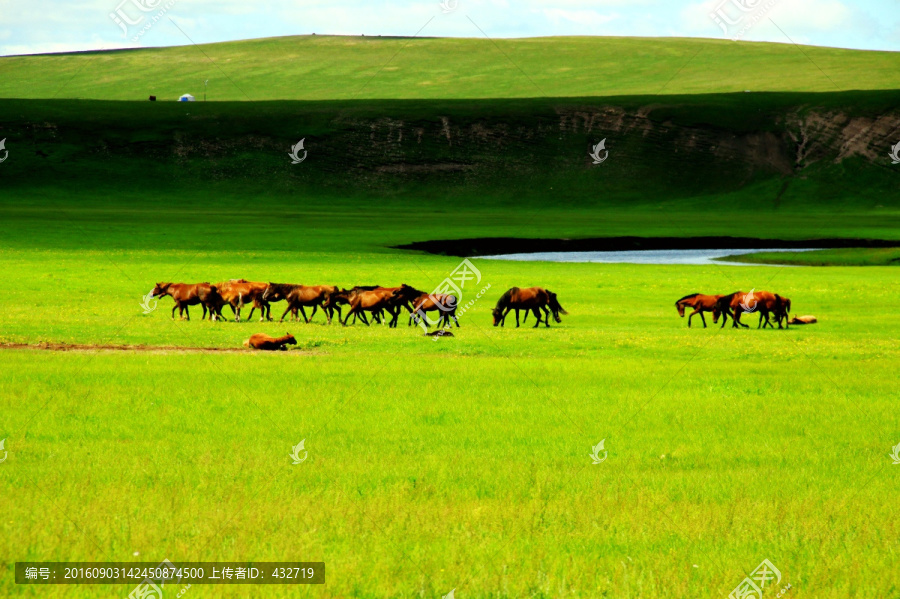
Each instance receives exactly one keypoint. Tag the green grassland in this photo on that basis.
(343, 68)
(460, 462)
(845, 257)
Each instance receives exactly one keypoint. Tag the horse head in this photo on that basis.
(289, 339)
(497, 313)
(274, 293)
(160, 290)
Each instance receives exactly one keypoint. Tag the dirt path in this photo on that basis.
(78, 347)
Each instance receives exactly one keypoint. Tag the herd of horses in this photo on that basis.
(385, 304)
(735, 304)
(379, 302)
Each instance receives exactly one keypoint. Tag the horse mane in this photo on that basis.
(688, 297)
(505, 298)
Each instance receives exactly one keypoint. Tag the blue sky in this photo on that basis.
(32, 26)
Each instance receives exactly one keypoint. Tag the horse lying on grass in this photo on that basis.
(265, 342)
(534, 299)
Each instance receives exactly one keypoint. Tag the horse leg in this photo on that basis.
(517, 317)
(691, 315)
(286, 310)
(187, 312)
(537, 314)
(546, 316)
(525, 319)
(455, 319)
(703, 319)
(313, 313)
(175, 307)
(204, 312)
(303, 313)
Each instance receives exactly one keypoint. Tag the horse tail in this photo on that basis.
(554, 304)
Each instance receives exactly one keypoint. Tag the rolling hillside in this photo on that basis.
(446, 137)
(343, 68)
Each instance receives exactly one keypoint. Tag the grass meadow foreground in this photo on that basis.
(463, 462)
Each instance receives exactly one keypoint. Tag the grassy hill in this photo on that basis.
(329, 67)
(443, 142)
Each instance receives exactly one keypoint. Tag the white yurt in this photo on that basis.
(186, 98)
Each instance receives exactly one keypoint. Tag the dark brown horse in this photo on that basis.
(190, 294)
(239, 292)
(700, 304)
(299, 297)
(782, 310)
(262, 341)
(534, 299)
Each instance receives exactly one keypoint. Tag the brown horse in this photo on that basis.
(375, 301)
(298, 297)
(534, 299)
(190, 294)
(763, 301)
(341, 297)
(422, 302)
(700, 303)
(262, 341)
(239, 292)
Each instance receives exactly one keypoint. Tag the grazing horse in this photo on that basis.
(700, 303)
(189, 294)
(765, 302)
(262, 341)
(534, 299)
(428, 302)
(298, 297)
(238, 292)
